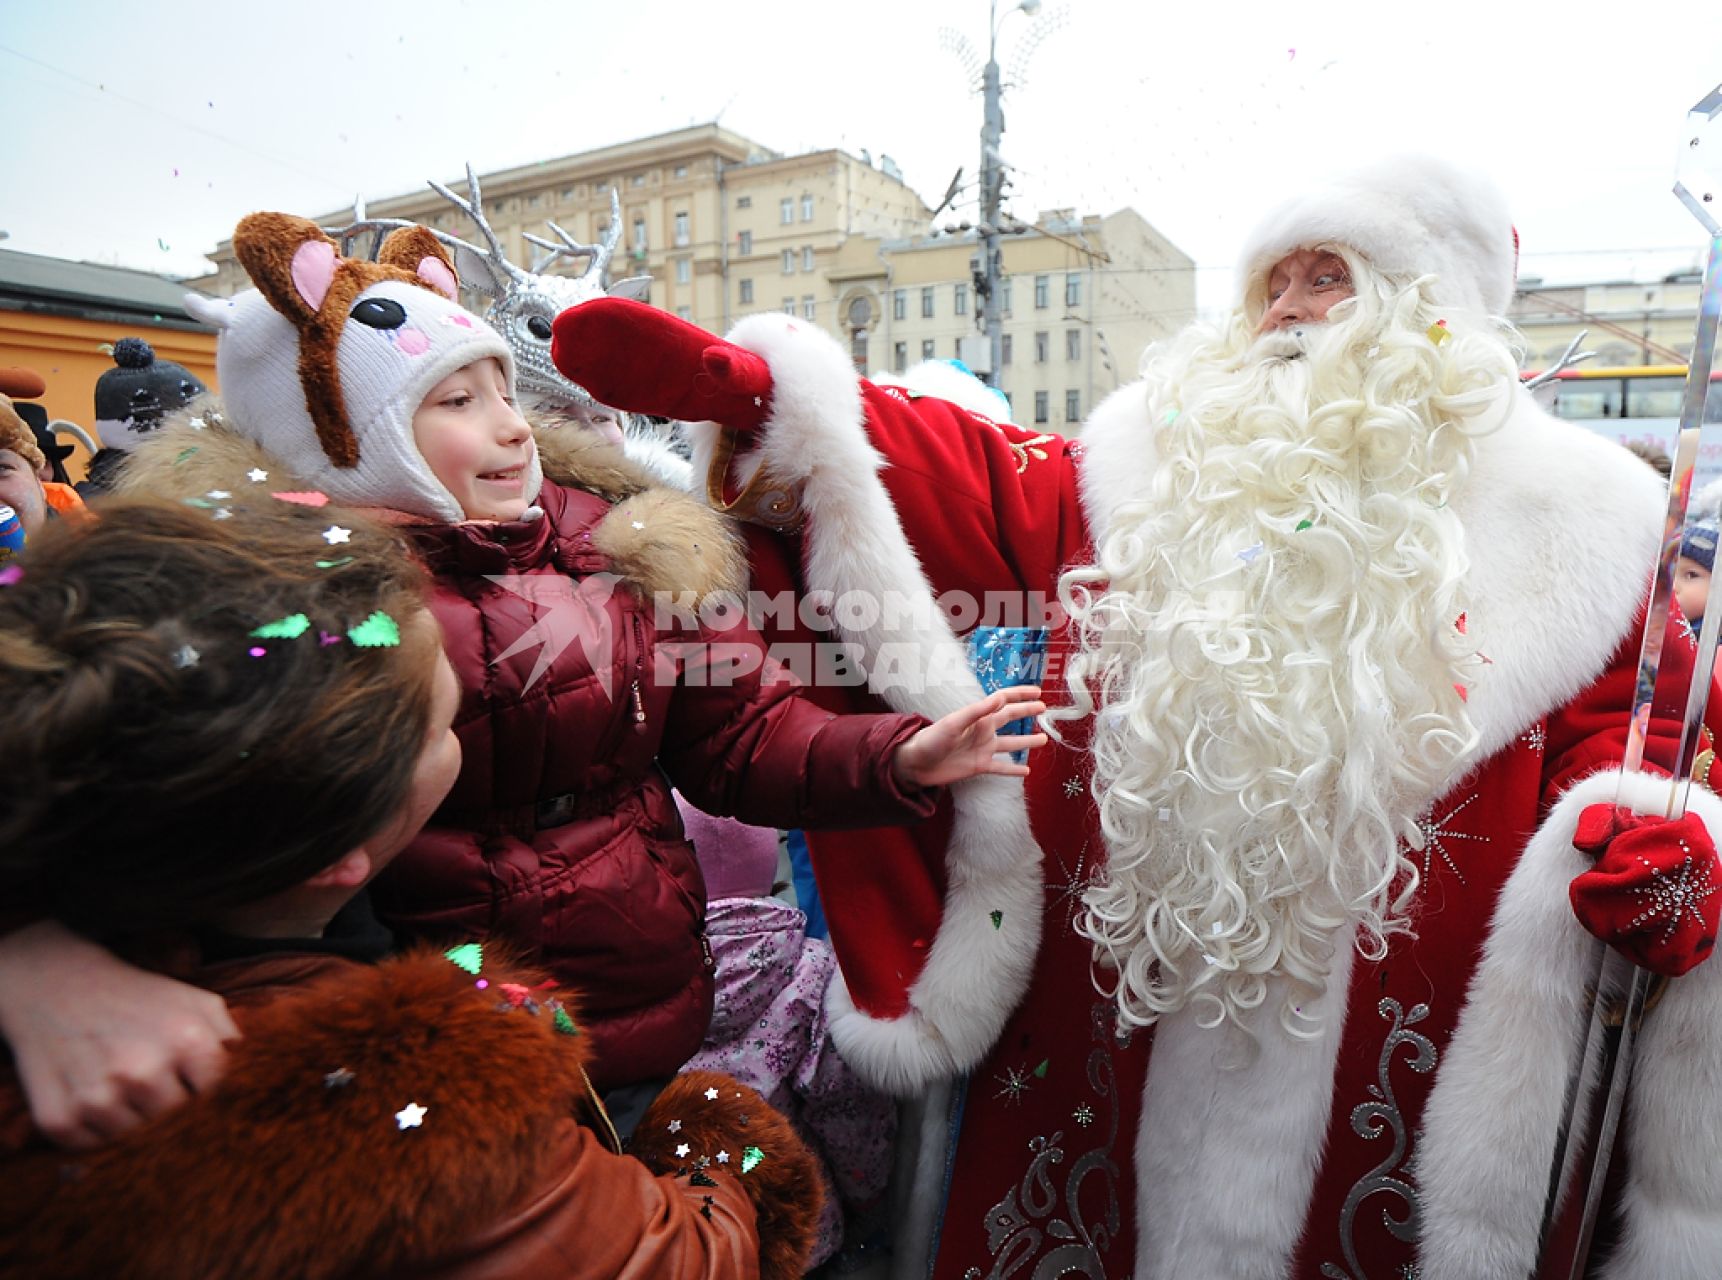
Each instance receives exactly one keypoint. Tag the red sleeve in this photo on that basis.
(1589, 733)
(987, 505)
(742, 741)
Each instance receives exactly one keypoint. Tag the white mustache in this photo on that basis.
(1281, 344)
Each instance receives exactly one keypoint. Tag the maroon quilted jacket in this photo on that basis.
(561, 834)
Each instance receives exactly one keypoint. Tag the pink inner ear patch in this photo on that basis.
(435, 273)
(313, 270)
(412, 341)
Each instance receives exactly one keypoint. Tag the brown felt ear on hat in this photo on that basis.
(419, 253)
(16, 435)
(297, 268)
(21, 383)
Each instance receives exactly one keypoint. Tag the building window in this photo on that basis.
(567, 193)
(1040, 407)
(1004, 296)
(1073, 406)
(1073, 344)
(638, 180)
(807, 257)
(682, 229)
(1073, 289)
(926, 302)
(789, 262)
(1042, 341)
(926, 348)
(900, 356)
(744, 245)
(746, 292)
(1004, 349)
(744, 202)
(684, 270)
(960, 302)
(681, 171)
(899, 304)
(532, 201)
(786, 211)
(807, 307)
(789, 306)
(807, 208)
(1042, 288)
(685, 313)
(639, 235)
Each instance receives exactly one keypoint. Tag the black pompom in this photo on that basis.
(133, 353)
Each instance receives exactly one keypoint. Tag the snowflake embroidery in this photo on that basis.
(1083, 1115)
(759, 956)
(1536, 737)
(1069, 893)
(1672, 897)
(1072, 788)
(1436, 833)
(1013, 1083)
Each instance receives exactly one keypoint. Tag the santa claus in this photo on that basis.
(1277, 967)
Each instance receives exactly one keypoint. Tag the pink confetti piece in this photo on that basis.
(309, 499)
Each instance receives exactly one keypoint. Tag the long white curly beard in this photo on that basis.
(1270, 644)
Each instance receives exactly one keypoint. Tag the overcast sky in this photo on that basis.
(139, 135)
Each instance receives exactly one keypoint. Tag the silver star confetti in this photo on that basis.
(711, 1095)
(411, 1116)
(723, 1157)
(335, 534)
(218, 495)
(185, 656)
(675, 1126)
(257, 475)
(682, 1150)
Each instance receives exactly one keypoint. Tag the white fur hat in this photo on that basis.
(1408, 216)
(339, 413)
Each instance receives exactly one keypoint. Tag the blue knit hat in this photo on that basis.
(1699, 543)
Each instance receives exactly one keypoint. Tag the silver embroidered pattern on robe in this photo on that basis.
(1371, 1120)
(1038, 1208)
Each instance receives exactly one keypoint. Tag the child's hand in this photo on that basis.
(967, 742)
(131, 1046)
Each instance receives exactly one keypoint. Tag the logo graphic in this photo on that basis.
(572, 613)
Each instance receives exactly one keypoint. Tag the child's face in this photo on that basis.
(438, 765)
(22, 491)
(475, 442)
(1691, 588)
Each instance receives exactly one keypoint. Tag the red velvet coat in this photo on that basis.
(576, 717)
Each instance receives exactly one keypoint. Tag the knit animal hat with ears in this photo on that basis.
(1409, 216)
(326, 361)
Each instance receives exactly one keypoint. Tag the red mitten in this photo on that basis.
(1653, 894)
(635, 357)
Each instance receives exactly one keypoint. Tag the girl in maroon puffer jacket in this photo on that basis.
(583, 699)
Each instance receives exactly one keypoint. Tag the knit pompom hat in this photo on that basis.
(1698, 544)
(1408, 216)
(327, 360)
(135, 395)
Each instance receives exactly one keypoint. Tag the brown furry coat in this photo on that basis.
(301, 1163)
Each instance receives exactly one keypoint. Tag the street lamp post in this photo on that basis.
(992, 192)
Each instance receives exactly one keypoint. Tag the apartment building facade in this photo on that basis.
(724, 227)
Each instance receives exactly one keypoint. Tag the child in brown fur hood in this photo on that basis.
(582, 700)
(218, 736)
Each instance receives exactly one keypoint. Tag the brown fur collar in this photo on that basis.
(277, 1173)
(662, 541)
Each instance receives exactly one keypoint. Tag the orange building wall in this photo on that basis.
(67, 352)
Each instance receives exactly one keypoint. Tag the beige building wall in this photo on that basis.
(726, 228)
(1628, 323)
